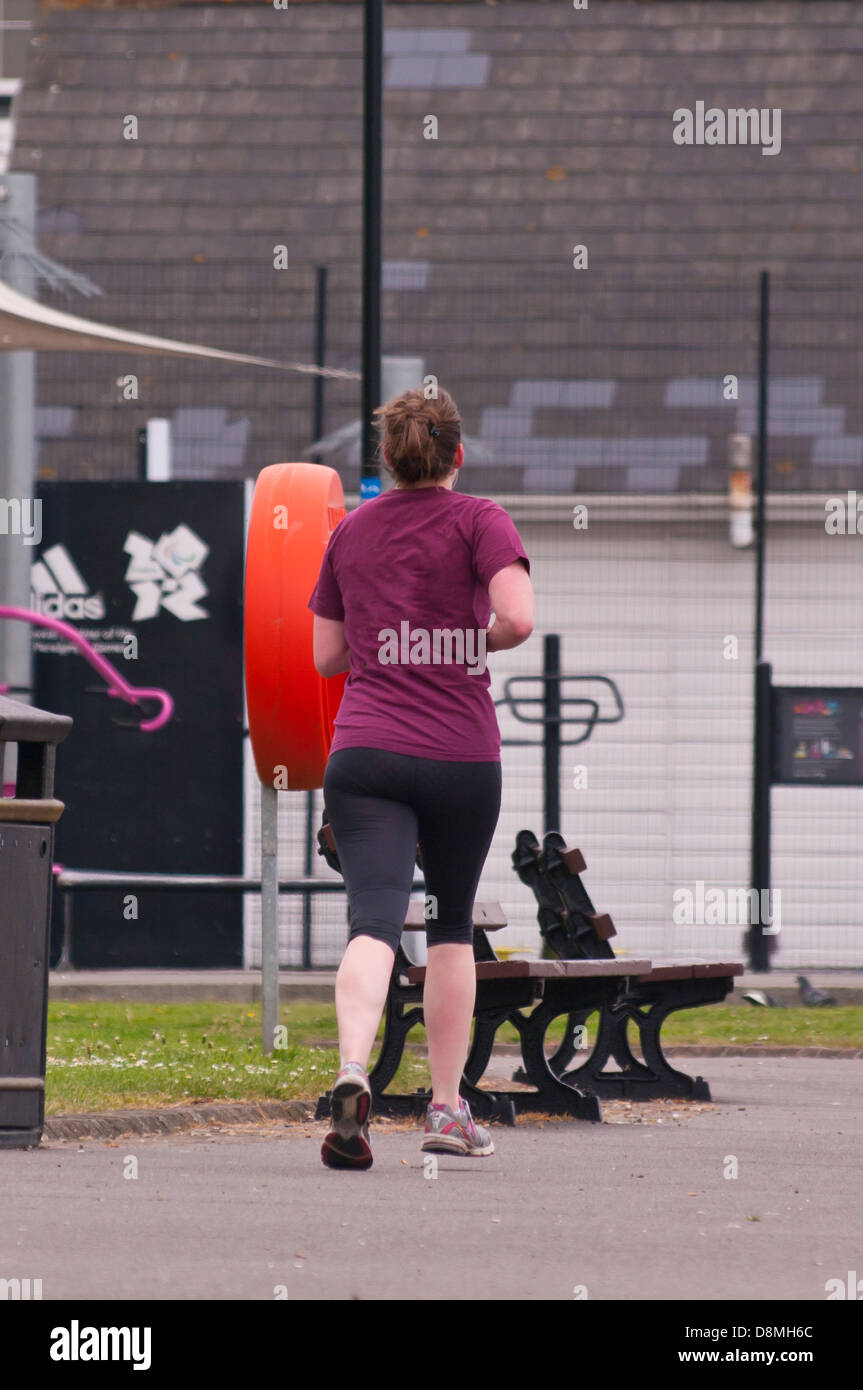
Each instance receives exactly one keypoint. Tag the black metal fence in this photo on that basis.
(574, 385)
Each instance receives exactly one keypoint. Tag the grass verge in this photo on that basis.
(108, 1056)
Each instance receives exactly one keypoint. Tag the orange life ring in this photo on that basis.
(291, 708)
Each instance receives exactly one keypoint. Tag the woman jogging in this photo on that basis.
(403, 601)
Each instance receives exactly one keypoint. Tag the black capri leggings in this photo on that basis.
(380, 806)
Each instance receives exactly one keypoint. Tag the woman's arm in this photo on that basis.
(511, 594)
(331, 652)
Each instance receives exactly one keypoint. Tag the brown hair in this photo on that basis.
(412, 453)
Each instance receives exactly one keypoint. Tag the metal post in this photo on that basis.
(320, 351)
(17, 399)
(65, 961)
(141, 454)
(759, 956)
(307, 870)
(317, 433)
(372, 215)
(269, 916)
(760, 514)
(758, 943)
(551, 732)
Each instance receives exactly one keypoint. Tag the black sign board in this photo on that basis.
(818, 736)
(152, 575)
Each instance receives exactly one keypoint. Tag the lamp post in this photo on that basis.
(370, 484)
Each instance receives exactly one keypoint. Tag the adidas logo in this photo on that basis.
(60, 591)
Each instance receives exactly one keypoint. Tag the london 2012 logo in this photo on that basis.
(165, 574)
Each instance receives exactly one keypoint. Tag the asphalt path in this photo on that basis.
(644, 1205)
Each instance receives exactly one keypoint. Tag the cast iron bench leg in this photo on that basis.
(558, 1097)
(398, 1022)
(673, 1082)
(654, 1078)
(485, 1028)
(611, 1041)
(560, 1060)
(487, 1105)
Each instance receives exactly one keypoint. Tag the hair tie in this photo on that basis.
(433, 430)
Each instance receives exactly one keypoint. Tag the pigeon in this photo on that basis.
(757, 996)
(811, 996)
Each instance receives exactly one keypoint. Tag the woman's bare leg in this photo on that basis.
(361, 992)
(448, 1000)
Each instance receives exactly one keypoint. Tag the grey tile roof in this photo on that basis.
(554, 129)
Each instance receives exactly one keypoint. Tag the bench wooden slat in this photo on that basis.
(546, 969)
(691, 970)
(486, 917)
(29, 812)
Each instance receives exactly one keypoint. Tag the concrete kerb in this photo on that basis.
(173, 1119)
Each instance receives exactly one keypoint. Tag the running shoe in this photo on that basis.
(449, 1131)
(347, 1143)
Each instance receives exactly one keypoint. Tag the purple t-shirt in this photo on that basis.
(408, 574)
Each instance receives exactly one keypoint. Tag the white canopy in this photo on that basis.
(26, 325)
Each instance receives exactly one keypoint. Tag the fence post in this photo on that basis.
(759, 955)
(551, 732)
(269, 916)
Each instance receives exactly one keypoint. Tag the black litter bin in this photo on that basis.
(27, 822)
